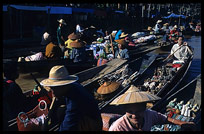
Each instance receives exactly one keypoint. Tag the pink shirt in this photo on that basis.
(150, 118)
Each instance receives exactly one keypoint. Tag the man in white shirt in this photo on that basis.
(181, 50)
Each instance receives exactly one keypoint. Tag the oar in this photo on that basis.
(43, 91)
(170, 56)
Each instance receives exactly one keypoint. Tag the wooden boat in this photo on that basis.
(42, 65)
(112, 111)
(190, 92)
(15, 53)
(166, 88)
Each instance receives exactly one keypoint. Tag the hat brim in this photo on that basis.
(62, 22)
(52, 83)
(122, 36)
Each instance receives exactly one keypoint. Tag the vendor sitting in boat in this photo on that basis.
(78, 53)
(72, 37)
(122, 52)
(82, 113)
(137, 117)
(180, 51)
(53, 51)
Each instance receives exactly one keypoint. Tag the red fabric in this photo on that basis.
(176, 65)
(131, 44)
(34, 113)
(101, 61)
(45, 98)
(9, 81)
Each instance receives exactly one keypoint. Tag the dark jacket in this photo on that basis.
(79, 104)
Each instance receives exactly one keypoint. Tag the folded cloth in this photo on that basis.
(35, 57)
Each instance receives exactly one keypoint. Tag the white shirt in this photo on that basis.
(181, 54)
(79, 29)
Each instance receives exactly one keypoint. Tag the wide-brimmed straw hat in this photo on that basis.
(159, 21)
(61, 21)
(108, 87)
(58, 76)
(123, 35)
(77, 44)
(133, 95)
(74, 36)
(121, 41)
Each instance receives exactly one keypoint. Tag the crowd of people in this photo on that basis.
(81, 111)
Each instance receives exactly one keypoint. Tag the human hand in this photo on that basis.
(188, 126)
(185, 43)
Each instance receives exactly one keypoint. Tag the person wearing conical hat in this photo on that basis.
(81, 109)
(78, 53)
(122, 52)
(137, 117)
(60, 37)
(71, 37)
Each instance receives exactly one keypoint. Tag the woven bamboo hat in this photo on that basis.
(58, 76)
(61, 21)
(121, 41)
(77, 44)
(108, 87)
(133, 95)
(123, 35)
(74, 36)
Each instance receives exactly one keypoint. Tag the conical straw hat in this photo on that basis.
(108, 87)
(74, 36)
(133, 95)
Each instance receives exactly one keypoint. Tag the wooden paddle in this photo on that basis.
(170, 56)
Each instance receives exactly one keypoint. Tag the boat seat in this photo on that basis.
(108, 119)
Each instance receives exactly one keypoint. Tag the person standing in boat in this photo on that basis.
(180, 51)
(122, 52)
(60, 37)
(82, 113)
(137, 116)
